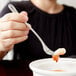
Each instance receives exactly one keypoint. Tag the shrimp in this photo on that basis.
(57, 53)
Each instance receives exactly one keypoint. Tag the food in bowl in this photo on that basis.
(58, 70)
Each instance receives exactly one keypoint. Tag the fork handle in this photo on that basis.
(13, 9)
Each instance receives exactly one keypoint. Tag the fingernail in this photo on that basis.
(26, 18)
(26, 37)
(24, 13)
(26, 33)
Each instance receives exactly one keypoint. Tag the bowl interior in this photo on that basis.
(48, 65)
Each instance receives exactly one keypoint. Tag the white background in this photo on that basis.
(68, 2)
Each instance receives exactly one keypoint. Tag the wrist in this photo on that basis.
(2, 54)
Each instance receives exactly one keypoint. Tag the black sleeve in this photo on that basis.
(20, 6)
(5, 10)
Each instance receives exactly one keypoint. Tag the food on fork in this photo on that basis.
(57, 53)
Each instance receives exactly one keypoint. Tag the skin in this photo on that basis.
(49, 6)
(12, 27)
(12, 31)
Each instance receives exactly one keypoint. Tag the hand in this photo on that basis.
(13, 30)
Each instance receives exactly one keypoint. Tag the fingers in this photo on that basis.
(7, 44)
(19, 17)
(5, 48)
(25, 13)
(12, 41)
(12, 34)
(13, 30)
(12, 25)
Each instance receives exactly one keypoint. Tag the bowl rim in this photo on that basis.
(37, 70)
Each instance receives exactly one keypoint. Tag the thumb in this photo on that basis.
(25, 14)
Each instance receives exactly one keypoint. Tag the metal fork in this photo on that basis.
(45, 48)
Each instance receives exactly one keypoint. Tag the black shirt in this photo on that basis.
(57, 31)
